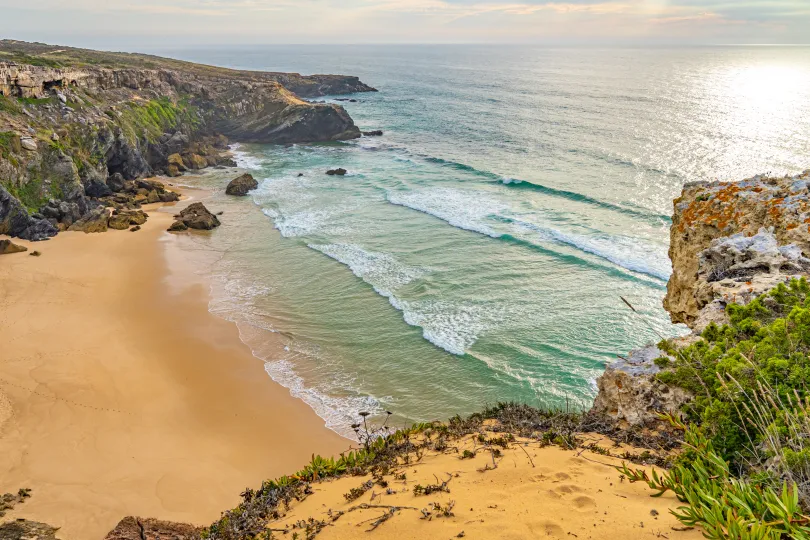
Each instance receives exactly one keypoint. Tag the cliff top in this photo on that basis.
(59, 57)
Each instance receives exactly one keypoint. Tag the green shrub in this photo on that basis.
(765, 348)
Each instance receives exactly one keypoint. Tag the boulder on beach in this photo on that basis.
(339, 172)
(7, 247)
(241, 185)
(93, 221)
(177, 226)
(123, 219)
(195, 216)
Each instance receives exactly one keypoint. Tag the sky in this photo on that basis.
(146, 24)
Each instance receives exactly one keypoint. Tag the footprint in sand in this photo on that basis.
(561, 476)
(546, 528)
(583, 502)
(567, 489)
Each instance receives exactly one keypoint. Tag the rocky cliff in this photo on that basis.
(729, 243)
(72, 119)
(720, 216)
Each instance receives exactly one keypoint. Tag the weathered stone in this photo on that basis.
(630, 395)
(172, 171)
(15, 221)
(374, 133)
(706, 211)
(339, 171)
(7, 247)
(241, 185)
(195, 161)
(23, 529)
(94, 221)
(28, 144)
(123, 219)
(116, 182)
(134, 528)
(153, 197)
(197, 216)
(176, 160)
(169, 196)
(150, 185)
(178, 226)
(97, 190)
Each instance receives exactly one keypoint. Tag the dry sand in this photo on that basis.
(533, 493)
(121, 395)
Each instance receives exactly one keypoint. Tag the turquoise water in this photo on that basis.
(477, 251)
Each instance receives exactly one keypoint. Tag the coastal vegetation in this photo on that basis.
(745, 469)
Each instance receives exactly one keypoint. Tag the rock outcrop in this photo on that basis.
(94, 221)
(337, 172)
(23, 529)
(730, 242)
(241, 185)
(195, 216)
(7, 247)
(15, 220)
(73, 131)
(135, 528)
(629, 393)
(707, 211)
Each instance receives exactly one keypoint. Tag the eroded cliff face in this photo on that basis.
(730, 242)
(243, 107)
(734, 269)
(72, 119)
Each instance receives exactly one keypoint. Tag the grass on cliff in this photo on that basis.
(153, 118)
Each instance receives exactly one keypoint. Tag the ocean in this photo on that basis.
(478, 251)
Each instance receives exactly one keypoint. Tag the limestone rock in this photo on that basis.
(707, 211)
(94, 221)
(241, 185)
(630, 394)
(134, 528)
(169, 196)
(7, 247)
(97, 190)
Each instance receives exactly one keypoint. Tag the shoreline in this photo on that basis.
(127, 396)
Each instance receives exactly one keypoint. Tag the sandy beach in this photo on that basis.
(121, 395)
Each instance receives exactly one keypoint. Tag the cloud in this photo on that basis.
(413, 20)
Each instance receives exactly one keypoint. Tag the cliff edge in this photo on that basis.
(75, 124)
(730, 242)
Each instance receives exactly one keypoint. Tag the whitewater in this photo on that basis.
(477, 251)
